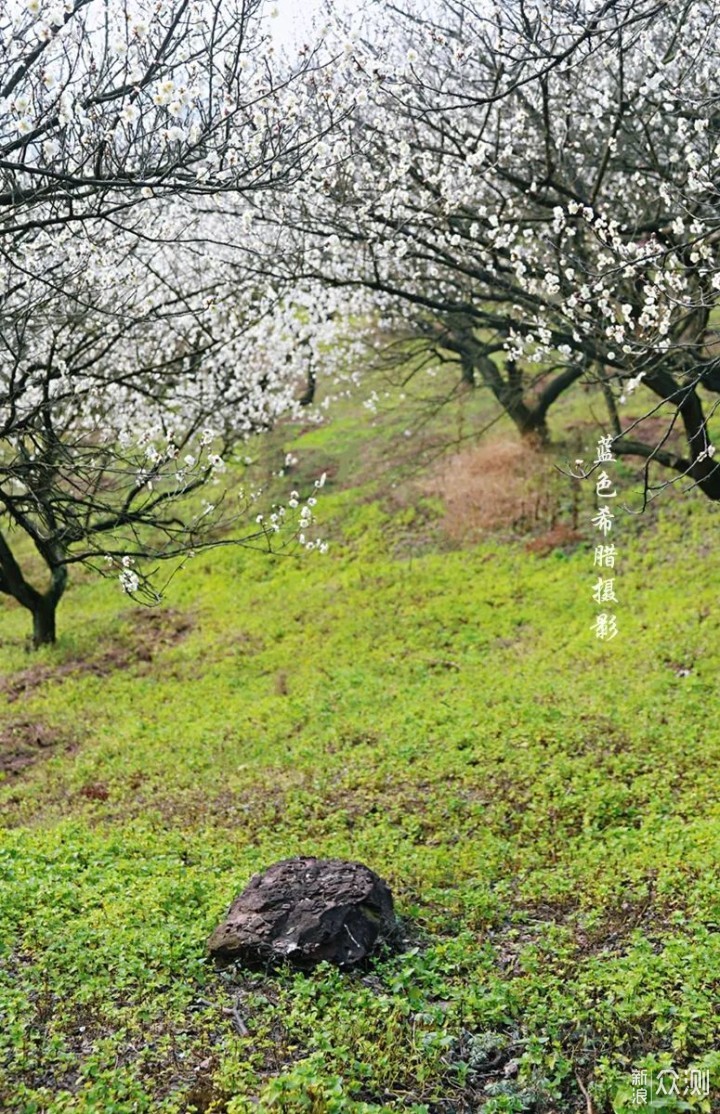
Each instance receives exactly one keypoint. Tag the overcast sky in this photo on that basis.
(295, 17)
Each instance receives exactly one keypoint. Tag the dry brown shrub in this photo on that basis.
(558, 537)
(498, 485)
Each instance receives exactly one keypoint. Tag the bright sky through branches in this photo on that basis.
(294, 19)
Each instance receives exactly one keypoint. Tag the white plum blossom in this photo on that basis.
(139, 348)
(537, 224)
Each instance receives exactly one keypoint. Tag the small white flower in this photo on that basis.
(129, 581)
(164, 92)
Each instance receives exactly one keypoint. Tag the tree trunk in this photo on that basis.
(467, 369)
(43, 614)
(308, 396)
(41, 605)
(703, 469)
(532, 427)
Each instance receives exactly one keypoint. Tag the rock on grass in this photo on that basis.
(306, 910)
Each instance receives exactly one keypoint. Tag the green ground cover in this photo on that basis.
(543, 805)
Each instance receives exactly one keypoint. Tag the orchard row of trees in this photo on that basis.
(530, 190)
(137, 347)
(194, 228)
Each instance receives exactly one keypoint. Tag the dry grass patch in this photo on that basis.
(501, 485)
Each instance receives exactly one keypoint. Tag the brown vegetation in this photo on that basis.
(502, 485)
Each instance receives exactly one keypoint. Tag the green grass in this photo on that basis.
(544, 807)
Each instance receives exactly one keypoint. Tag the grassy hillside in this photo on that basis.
(543, 805)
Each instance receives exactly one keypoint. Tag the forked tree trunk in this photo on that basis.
(41, 605)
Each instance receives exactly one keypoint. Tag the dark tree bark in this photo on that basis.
(308, 396)
(702, 468)
(42, 605)
(467, 369)
(44, 632)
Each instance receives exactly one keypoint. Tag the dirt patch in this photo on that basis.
(655, 430)
(155, 629)
(28, 680)
(95, 791)
(148, 633)
(24, 742)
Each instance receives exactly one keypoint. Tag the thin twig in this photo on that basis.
(238, 1021)
(588, 1098)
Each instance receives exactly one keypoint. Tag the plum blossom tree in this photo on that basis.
(530, 190)
(136, 348)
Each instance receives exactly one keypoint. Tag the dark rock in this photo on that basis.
(306, 910)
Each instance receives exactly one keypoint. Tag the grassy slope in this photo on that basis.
(544, 806)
